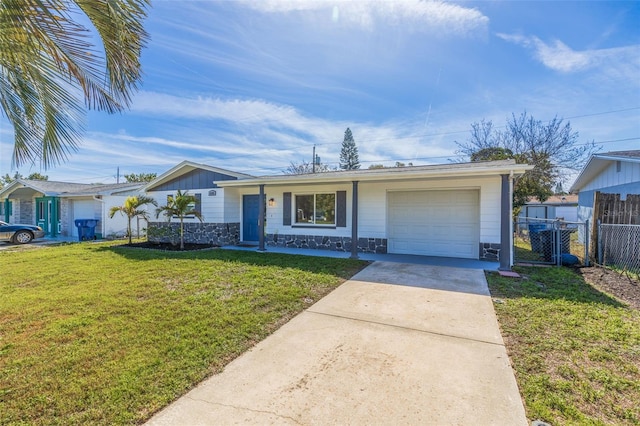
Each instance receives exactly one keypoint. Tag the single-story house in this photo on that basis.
(55, 206)
(454, 210)
(96, 201)
(219, 209)
(609, 173)
(563, 207)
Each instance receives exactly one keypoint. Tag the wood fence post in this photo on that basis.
(597, 199)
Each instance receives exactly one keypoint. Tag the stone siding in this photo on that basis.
(25, 214)
(64, 213)
(15, 211)
(365, 245)
(490, 251)
(218, 234)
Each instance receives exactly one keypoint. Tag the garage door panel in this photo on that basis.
(403, 232)
(434, 223)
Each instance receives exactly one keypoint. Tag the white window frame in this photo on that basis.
(294, 206)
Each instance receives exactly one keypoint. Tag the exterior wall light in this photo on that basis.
(272, 202)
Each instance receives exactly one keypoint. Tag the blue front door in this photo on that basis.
(250, 210)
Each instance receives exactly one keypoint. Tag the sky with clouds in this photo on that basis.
(252, 86)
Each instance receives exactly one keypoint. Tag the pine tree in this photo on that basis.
(349, 152)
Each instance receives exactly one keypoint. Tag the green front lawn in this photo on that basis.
(575, 350)
(99, 334)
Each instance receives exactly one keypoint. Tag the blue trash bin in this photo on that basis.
(86, 229)
(535, 237)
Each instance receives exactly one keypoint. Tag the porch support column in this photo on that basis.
(505, 224)
(354, 221)
(261, 219)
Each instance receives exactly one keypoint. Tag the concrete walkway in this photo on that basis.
(397, 344)
(374, 257)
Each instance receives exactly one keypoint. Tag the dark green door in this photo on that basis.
(47, 214)
(7, 209)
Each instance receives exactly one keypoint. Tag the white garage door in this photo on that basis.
(434, 223)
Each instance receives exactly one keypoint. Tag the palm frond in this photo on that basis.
(49, 64)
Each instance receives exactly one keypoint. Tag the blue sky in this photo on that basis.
(253, 86)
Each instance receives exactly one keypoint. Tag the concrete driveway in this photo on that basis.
(396, 344)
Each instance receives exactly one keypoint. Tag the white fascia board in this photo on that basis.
(19, 184)
(618, 158)
(9, 188)
(593, 167)
(408, 173)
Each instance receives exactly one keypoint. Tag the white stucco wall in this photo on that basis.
(569, 213)
(84, 208)
(232, 204)
(117, 226)
(373, 204)
(212, 207)
(372, 208)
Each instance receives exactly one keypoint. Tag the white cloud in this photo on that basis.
(416, 15)
(239, 111)
(267, 136)
(560, 57)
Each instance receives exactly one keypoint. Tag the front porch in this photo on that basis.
(28, 206)
(373, 257)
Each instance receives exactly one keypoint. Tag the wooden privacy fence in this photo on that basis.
(610, 209)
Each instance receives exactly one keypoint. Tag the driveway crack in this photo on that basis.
(435, 333)
(236, 407)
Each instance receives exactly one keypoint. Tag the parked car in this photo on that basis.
(18, 233)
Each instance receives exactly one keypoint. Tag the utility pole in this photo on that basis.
(313, 159)
(118, 175)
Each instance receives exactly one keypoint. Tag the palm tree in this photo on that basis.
(131, 208)
(50, 69)
(180, 206)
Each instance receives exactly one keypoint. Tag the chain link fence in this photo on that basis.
(619, 246)
(550, 241)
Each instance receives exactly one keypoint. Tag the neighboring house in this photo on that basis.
(55, 206)
(454, 210)
(95, 202)
(219, 209)
(610, 173)
(563, 207)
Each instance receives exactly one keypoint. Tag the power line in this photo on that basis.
(612, 141)
(602, 113)
(438, 157)
(454, 132)
(417, 136)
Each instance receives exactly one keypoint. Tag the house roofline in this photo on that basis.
(586, 174)
(33, 184)
(392, 173)
(618, 158)
(107, 189)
